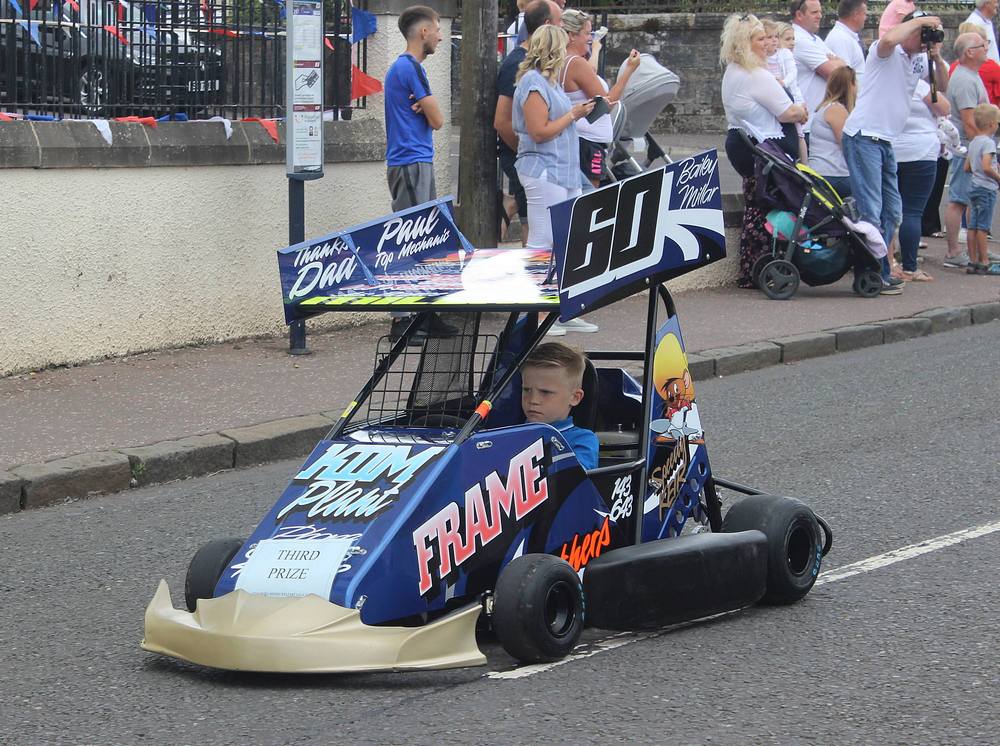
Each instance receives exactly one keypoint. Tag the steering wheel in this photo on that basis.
(439, 419)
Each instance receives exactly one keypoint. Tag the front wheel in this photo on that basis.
(794, 543)
(207, 566)
(538, 608)
(779, 279)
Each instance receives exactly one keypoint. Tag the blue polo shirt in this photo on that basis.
(582, 441)
(408, 135)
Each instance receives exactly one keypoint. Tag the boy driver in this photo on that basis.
(551, 385)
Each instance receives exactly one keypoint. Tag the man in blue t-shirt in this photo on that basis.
(536, 14)
(411, 114)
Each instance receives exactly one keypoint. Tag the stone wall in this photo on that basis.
(165, 238)
(688, 44)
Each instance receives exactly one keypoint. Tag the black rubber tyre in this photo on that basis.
(794, 543)
(206, 567)
(759, 265)
(868, 284)
(779, 279)
(538, 608)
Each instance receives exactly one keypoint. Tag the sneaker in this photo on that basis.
(963, 235)
(888, 288)
(556, 330)
(992, 256)
(975, 269)
(578, 325)
(993, 269)
(959, 261)
(437, 328)
(416, 339)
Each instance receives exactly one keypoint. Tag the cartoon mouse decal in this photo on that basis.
(679, 418)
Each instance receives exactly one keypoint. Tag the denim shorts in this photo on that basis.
(981, 204)
(959, 181)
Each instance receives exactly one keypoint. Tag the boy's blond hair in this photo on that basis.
(770, 26)
(558, 355)
(984, 115)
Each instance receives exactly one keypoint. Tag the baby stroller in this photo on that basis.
(825, 247)
(649, 90)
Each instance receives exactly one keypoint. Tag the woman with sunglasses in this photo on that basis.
(756, 105)
(581, 83)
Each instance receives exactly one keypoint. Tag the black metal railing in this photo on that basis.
(200, 58)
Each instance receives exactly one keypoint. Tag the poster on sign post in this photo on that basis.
(304, 90)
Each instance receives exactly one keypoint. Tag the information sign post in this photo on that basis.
(303, 123)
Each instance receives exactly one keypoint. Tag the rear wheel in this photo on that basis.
(95, 89)
(538, 608)
(206, 567)
(779, 279)
(794, 542)
(868, 284)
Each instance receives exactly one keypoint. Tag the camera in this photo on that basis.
(930, 36)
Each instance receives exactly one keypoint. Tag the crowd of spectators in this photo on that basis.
(885, 124)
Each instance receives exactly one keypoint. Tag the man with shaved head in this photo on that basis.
(965, 92)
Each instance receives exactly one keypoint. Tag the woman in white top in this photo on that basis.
(756, 105)
(581, 84)
(826, 156)
(916, 152)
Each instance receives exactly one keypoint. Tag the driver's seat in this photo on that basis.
(584, 414)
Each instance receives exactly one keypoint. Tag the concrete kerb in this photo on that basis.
(84, 475)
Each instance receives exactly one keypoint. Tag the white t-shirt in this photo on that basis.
(883, 104)
(753, 100)
(987, 23)
(846, 44)
(810, 52)
(789, 73)
(919, 140)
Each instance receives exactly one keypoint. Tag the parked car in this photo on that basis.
(106, 59)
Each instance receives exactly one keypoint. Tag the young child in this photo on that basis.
(780, 38)
(982, 162)
(551, 385)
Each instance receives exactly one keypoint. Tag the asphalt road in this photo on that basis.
(893, 445)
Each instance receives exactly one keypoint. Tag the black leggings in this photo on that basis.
(741, 156)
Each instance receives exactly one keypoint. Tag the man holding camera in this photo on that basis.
(893, 67)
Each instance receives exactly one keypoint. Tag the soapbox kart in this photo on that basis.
(432, 506)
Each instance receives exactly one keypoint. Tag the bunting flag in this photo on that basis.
(104, 129)
(329, 44)
(363, 24)
(363, 84)
(113, 30)
(32, 4)
(32, 28)
(270, 126)
(5, 117)
(17, 8)
(147, 121)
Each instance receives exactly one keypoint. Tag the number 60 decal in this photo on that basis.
(615, 232)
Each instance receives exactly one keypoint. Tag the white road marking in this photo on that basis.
(841, 573)
(905, 553)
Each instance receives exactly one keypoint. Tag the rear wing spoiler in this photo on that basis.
(609, 244)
